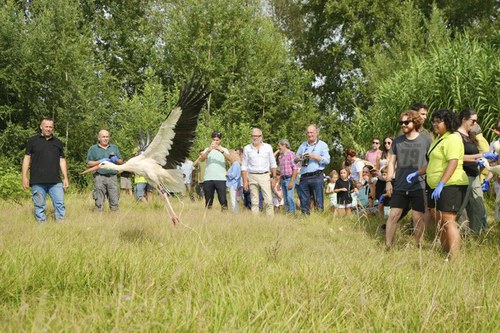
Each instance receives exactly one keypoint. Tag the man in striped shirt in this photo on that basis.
(288, 171)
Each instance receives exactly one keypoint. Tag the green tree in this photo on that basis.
(251, 72)
(45, 69)
(353, 46)
(457, 74)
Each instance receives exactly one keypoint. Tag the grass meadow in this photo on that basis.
(133, 271)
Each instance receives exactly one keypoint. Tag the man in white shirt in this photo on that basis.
(258, 160)
(187, 168)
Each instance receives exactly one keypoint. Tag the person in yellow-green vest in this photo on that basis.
(446, 179)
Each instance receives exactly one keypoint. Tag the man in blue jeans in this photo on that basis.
(44, 159)
(313, 156)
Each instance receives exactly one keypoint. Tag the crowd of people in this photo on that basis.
(434, 177)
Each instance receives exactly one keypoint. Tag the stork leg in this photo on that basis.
(170, 210)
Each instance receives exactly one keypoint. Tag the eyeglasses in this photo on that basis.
(405, 122)
(376, 143)
(387, 143)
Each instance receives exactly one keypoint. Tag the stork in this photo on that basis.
(171, 145)
(483, 162)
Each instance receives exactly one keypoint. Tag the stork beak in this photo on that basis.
(94, 168)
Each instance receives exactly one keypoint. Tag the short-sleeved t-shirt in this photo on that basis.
(443, 149)
(356, 168)
(344, 197)
(216, 165)
(187, 170)
(410, 156)
(45, 158)
(97, 152)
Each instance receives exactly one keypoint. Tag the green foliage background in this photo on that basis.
(349, 66)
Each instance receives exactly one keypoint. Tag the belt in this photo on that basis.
(286, 177)
(107, 175)
(310, 174)
(258, 173)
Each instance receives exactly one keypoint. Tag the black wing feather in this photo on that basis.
(191, 101)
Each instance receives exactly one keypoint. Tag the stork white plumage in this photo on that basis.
(169, 148)
(494, 169)
(483, 161)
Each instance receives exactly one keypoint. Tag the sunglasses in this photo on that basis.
(376, 143)
(405, 122)
(387, 142)
(216, 134)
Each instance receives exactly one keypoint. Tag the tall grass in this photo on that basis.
(132, 271)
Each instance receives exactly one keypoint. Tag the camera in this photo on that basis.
(305, 159)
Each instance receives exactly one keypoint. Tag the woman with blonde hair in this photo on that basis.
(234, 183)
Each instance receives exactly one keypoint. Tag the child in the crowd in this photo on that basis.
(384, 203)
(358, 186)
(344, 188)
(334, 176)
(366, 191)
(234, 182)
(277, 193)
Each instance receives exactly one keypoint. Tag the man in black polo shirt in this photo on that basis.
(44, 159)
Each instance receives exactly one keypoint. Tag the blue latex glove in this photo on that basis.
(480, 163)
(485, 186)
(104, 160)
(113, 159)
(411, 177)
(381, 198)
(491, 156)
(436, 194)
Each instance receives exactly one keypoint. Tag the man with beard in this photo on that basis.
(407, 187)
(423, 111)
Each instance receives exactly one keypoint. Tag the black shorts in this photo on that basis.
(414, 200)
(450, 200)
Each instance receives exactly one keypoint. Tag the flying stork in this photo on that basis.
(171, 145)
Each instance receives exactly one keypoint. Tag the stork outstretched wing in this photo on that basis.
(176, 135)
(144, 142)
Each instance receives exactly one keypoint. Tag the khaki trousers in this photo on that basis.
(260, 182)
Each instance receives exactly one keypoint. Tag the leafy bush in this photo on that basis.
(10, 184)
